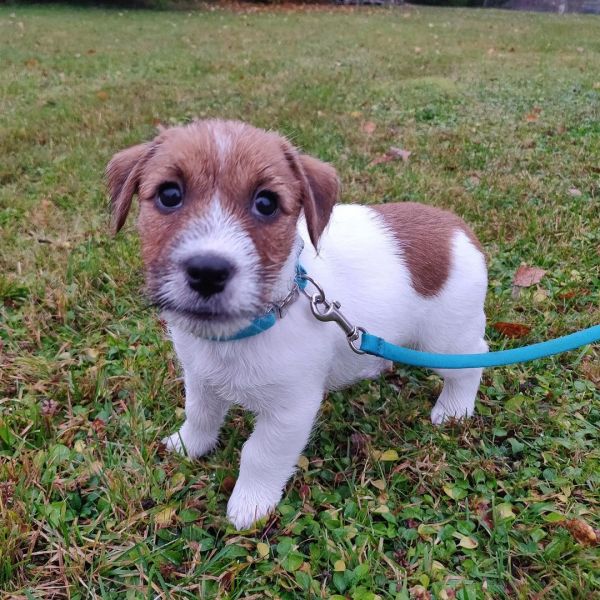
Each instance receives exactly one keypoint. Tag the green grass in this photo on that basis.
(90, 506)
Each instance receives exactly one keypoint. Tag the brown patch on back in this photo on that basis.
(424, 234)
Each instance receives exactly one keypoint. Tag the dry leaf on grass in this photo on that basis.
(512, 330)
(527, 276)
(304, 492)
(303, 462)
(339, 566)
(483, 510)
(49, 408)
(262, 549)
(368, 127)
(534, 115)
(590, 367)
(389, 456)
(466, 541)
(226, 580)
(164, 517)
(582, 532)
(392, 154)
(359, 444)
(227, 484)
(418, 592)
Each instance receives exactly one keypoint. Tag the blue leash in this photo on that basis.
(371, 344)
(329, 310)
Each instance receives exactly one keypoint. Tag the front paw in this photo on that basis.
(249, 504)
(441, 414)
(188, 442)
(173, 443)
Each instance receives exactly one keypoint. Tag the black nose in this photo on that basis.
(208, 274)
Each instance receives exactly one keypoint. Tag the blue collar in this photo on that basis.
(268, 319)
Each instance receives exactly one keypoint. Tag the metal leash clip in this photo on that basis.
(330, 311)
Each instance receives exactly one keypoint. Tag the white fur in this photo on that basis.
(283, 373)
(216, 233)
(223, 140)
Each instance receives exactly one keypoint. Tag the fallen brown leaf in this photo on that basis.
(482, 508)
(304, 491)
(418, 592)
(227, 484)
(392, 154)
(167, 570)
(368, 127)
(582, 532)
(226, 580)
(534, 115)
(527, 276)
(359, 444)
(512, 330)
(102, 95)
(568, 295)
(99, 427)
(591, 369)
(49, 407)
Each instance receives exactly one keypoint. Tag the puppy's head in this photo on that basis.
(219, 204)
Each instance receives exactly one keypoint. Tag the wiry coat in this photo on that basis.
(411, 273)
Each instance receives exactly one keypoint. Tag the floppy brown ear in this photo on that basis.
(322, 190)
(122, 175)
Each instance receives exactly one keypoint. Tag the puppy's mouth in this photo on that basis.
(207, 316)
(204, 314)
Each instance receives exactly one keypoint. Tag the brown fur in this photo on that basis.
(424, 234)
(246, 160)
(122, 176)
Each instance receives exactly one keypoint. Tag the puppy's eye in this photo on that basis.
(169, 196)
(266, 203)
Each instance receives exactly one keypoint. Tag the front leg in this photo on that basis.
(270, 455)
(204, 415)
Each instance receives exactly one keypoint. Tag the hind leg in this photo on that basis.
(457, 399)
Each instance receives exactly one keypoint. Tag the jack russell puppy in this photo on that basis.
(227, 211)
